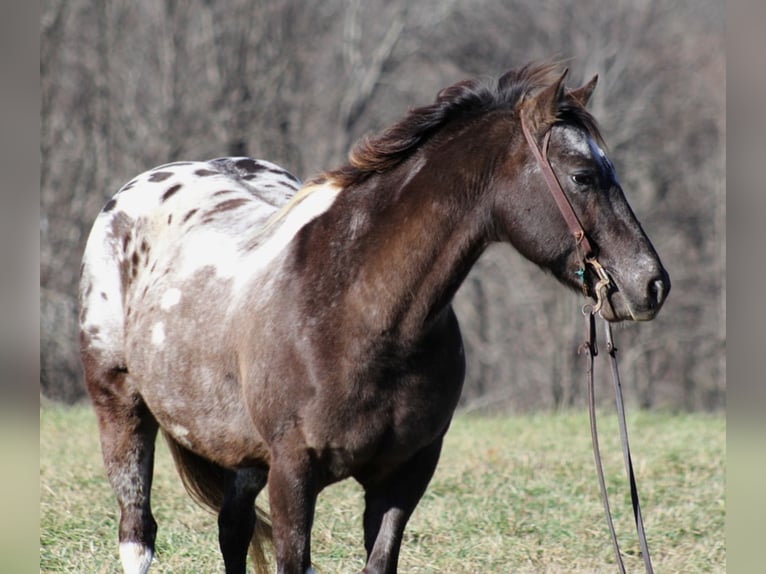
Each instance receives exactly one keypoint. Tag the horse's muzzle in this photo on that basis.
(638, 300)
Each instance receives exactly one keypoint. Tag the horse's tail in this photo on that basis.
(204, 481)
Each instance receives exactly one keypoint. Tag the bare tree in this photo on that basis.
(129, 85)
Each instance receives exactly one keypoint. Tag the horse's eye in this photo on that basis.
(584, 179)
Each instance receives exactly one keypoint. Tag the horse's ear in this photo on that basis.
(539, 112)
(583, 93)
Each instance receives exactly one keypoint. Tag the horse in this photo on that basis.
(289, 335)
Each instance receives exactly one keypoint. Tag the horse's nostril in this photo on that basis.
(658, 290)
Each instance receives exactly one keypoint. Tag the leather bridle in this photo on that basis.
(585, 250)
(587, 257)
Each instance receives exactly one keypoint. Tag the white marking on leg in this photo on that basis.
(158, 334)
(135, 557)
(170, 298)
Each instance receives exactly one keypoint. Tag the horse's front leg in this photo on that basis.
(293, 491)
(237, 517)
(389, 503)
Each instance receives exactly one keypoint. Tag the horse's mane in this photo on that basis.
(467, 98)
(472, 97)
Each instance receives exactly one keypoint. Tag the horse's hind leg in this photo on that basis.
(236, 519)
(128, 431)
(389, 503)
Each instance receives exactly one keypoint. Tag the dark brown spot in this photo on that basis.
(228, 204)
(134, 258)
(205, 172)
(188, 215)
(125, 243)
(124, 271)
(109, 205)
(231, 379)
(104, 296)
(144, 246)
(170, 218)
(128, 185)
(224, 192)
(160, 175)
(170, 192)
(249, 165)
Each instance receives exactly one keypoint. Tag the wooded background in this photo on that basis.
(131, 84)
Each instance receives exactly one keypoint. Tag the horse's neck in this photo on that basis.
(413, 254)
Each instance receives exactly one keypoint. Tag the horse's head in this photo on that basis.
(535, 225)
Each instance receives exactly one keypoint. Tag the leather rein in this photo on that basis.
(587, 257)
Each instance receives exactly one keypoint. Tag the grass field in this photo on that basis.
(511, 494)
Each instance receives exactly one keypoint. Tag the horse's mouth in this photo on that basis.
(616, 307)
(638, 299)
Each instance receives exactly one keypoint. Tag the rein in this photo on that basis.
(588, 257)
(592, 348)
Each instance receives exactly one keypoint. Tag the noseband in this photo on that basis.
(585, 250)
(587, 256)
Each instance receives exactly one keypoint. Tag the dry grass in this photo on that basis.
(512, 494)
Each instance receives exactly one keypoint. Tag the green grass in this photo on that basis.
(511, 494)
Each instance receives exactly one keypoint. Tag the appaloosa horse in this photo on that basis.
(293, 335)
